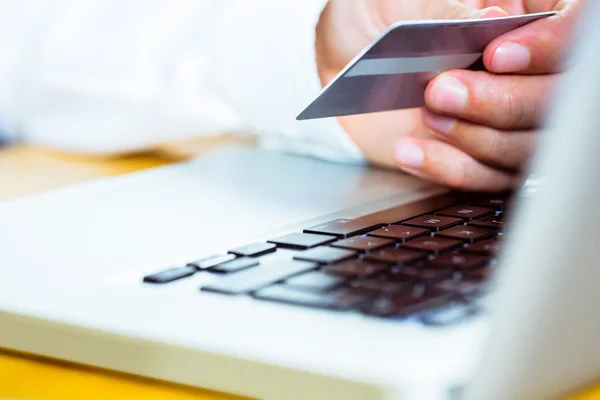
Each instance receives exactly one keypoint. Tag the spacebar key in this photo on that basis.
(257, 278)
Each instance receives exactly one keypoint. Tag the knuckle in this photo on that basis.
(492, 148)
(514, 112)
(492, 179)
(459, 176)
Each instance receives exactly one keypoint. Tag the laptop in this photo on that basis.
(280, 277)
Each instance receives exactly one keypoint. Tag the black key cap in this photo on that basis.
(325, 255)
(315, 281)
(479, 274)
(212, 261)
(343, 299)
(363, 243)
(343, 228)
(468, 234)
(382, 286)
(403, 212)
(236, 265)
(170, 275)
(400, 232)
(463, 261)
(471, 284)
(433, 245)
(465, 287)
(403, 306)
(433, 222)
(414, 274)
(396, 256)
(254, 250)
(492, 222)
(466, 212)
(356, 268)
(497, 203)
(257, 278)
(485, 248)
(302, 241)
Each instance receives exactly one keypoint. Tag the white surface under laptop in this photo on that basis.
(73, 262)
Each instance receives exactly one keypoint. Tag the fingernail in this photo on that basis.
(492, 12)
(511, 57)
(449, 95)
(438, 123)
(409, 155)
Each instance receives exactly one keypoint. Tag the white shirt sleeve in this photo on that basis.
(106, 76)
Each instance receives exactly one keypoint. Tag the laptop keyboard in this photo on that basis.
(418, 260)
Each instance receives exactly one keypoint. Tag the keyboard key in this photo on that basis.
(400, 232)
(497, 203)
(433, 245)
(467, 233)
(485, 248)
(466, 287)
(472, 284)
(315, 281)
(463, 261)
(466, 212)
(343, 299)
(356, 268)
(396, 256)
(382, 286)
(479, 274)
(363, 243)
(493, 222)
(325, 255)
(254, 250)
(421, 274)
(170, 275)
(343, 228)
(433, 222)
(236, 265)
(403, 306)
(212, 261)
(302, 241)
(257, 278)
(398, 214)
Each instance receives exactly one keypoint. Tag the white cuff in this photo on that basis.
(274, 76)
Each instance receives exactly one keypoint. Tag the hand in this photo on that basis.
(486, 122)
(346, 27)
(400, 138)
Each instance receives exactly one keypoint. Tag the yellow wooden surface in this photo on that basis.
(27, 378)
(27, 170)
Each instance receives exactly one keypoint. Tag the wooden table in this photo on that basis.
(27, 170)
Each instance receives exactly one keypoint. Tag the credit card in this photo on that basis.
(392, 73)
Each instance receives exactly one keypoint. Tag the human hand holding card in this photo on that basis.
(392, 73)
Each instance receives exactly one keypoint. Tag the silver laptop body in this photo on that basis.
(72, 264)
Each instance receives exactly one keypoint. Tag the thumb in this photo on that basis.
(513, 7)
(492, 12)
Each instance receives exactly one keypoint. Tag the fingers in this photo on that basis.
(446, 165)
(514, 7)
(497, 101)
(540, 47)
(503, 149)
(376, 134)
(436, 9)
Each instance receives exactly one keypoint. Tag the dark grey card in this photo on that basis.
(393, 71)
